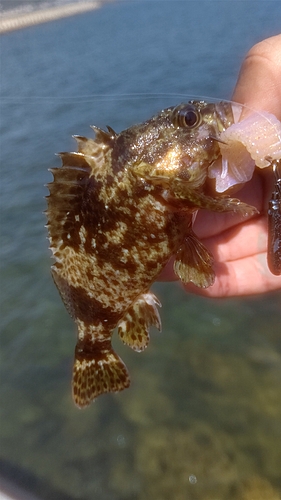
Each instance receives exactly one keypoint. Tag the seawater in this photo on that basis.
(202, 417)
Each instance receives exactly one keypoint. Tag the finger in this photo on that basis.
(258, 84)
(238, 253)
(246, 276)
(209, 224)
(240, 242)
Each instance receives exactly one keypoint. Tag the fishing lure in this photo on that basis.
(274, 223)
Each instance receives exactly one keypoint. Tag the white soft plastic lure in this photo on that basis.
(252, 142)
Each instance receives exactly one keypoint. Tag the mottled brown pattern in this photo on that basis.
(118, 209)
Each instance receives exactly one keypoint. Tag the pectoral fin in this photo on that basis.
(193, 263)
(197, 199)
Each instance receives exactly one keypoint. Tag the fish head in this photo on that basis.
(178, 143)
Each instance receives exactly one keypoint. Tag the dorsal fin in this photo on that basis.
(111, 131)
(102, 135)
(72, 181)
(85, 145)
(65, 199)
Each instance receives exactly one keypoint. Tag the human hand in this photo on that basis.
(239, 247)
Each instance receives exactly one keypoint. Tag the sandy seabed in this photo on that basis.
(14, 22)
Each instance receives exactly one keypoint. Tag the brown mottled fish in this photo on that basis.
(118, 209)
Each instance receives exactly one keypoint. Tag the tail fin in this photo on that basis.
(96, 372)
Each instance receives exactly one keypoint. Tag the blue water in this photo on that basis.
(202, 418)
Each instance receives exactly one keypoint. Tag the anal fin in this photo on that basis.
(97, 370)
(193, 263)
(133, 329)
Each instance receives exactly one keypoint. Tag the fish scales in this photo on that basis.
(119, 208)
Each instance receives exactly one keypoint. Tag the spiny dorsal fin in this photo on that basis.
(72, 182)
(65, 198)
(111, 131)
(102, 135)
(86, 146)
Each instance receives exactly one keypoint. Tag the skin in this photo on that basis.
(239, 246)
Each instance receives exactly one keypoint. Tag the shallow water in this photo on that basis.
(202, 417)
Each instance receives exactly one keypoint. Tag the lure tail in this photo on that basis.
(97, 370)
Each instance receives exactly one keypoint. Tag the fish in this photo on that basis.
(119, 208)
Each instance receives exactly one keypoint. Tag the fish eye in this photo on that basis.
(187, 116)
